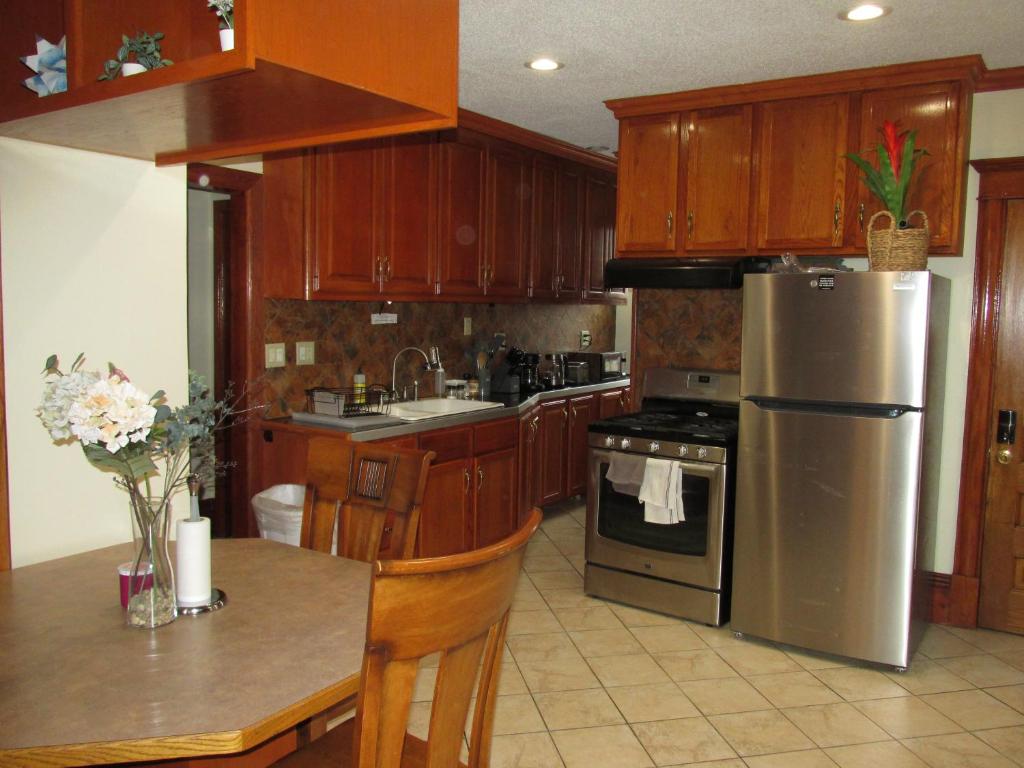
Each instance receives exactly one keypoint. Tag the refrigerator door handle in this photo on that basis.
(829, 409)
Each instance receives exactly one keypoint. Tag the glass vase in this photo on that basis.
(151, 604)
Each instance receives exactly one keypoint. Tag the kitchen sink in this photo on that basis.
(436, 407)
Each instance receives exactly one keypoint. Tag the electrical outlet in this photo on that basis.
(585, 339)
(274, 355)
(467, 326)
(305, 352)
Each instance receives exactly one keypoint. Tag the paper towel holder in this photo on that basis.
(217, 601)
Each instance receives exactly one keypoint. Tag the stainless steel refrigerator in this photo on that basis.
(841, 383)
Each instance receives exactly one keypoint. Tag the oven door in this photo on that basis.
(689, 552)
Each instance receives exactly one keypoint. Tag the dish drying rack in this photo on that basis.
(344, 402)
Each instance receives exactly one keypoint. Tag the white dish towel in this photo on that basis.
(662, 492)
(626, 472)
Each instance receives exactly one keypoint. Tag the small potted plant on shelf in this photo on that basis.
(225, 9)
(899, 247)
(146, 50)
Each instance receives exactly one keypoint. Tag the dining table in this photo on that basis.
(78, 686)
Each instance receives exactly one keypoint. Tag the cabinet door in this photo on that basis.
(937, 185)
(445, 517)
(802, 172)
(529, 428)
(495, 480)
(347, 247)
(598, 233)
(461, 248)
(569, 228)
(718, 146)
(581, 412)
(509, 181)
(611, 403)
(543, 239)
(554, 419)
(410, 215)
(648, 179)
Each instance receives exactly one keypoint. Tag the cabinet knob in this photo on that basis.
(668, 222)
(860, 216)
(689, 224)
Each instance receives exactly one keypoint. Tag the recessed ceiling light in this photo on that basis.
(544, 65)
(865, 12)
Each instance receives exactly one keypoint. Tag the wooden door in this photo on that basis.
(611, 403)
(347, 247)
(554, 421)
(718, 148)
(445, 520)
(508, 186)
(648, 179)
(582, 411)
(495, 508)
(1001, 600)
(529, 428)
(936, 187)
(410, 195)
(462, 239)
(802, 172)
(598, 234)
(569, 230)
(543, 240)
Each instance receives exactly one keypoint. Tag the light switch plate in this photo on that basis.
(585, 339)
(467, 326)
(305, 352)
(274, 355)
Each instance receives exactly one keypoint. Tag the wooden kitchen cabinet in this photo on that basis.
(717, 146)
(543, 237)
(461, 251)
(599, 193)
(446, 526)
(939, 112)
(494, 503)
(569, 230)
(529, 464)
(612, 403)
(582, 411)
(554, 425)
(391, 68)
(801, 179)
(648, 180)
(509, 178)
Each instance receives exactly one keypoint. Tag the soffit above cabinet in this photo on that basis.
(297, 77)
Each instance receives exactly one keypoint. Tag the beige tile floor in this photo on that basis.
(593, 684)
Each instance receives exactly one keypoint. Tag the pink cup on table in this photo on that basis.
(124, 571)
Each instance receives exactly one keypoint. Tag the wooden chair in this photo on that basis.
(371, 490)
(456, 605)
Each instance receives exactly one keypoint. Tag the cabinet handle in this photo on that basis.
(860, 216)
(479, 478)
(689, 224)
(668, 222)
(835, 219)
(387, 268)
(465, 478)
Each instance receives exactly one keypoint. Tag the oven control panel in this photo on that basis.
(662, 448)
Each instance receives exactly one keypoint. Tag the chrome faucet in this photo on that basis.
(394, 368)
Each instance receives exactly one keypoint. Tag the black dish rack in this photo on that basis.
(344, 402)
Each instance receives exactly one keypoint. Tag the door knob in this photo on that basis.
(1004, 455)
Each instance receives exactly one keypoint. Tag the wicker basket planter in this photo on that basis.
(898, 250)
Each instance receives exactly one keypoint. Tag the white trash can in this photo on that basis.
(279, 512)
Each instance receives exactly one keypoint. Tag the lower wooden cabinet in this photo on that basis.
(613, 403)
(554, 423)
(582, 411)
(529, 463)
(494, 504)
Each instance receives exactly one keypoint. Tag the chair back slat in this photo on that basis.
(453, 690)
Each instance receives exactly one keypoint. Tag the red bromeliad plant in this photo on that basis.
(896, 160)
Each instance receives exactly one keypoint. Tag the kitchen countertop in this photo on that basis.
(514, 405)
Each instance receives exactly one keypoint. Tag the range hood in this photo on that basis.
(680, 273)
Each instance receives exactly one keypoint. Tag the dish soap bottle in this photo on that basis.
(359, 387)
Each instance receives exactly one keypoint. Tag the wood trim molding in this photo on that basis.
(1004, 79)
(1000, 181)
(935, 600)
(5, 511)
(502, 130)
(965, 68)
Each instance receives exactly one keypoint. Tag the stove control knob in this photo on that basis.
(609, 441)
(624, 444)
(683, 450)
(702, 453)
(655, 446)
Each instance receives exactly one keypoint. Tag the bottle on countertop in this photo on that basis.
(359, 386)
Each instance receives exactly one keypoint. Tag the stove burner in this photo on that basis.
(682, 427)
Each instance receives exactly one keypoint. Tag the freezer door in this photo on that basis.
(826, 519)
(858, 337)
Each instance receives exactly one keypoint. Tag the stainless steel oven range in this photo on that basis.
(636, 555)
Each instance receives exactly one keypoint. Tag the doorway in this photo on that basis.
(987, 586)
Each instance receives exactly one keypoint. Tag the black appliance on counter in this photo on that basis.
(602, 366)
(517, 373)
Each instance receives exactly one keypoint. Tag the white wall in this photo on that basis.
(201, 283)
(995, 132)
(93, 251)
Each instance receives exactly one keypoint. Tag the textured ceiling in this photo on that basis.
(617, 48)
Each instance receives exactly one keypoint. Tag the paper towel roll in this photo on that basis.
(192, 578)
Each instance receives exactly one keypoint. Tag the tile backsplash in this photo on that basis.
(688, 328)
(346, 341)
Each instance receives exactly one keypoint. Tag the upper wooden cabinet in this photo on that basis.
(391, 67)
(648, 178)
(509, 179)
(544, 240)
(599, 192)
(760, 168)
(802, 173)
(462, 247)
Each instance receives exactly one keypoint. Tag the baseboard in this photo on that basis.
(963, 600)
(936, 600)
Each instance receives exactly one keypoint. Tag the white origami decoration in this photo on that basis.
(50, 62)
